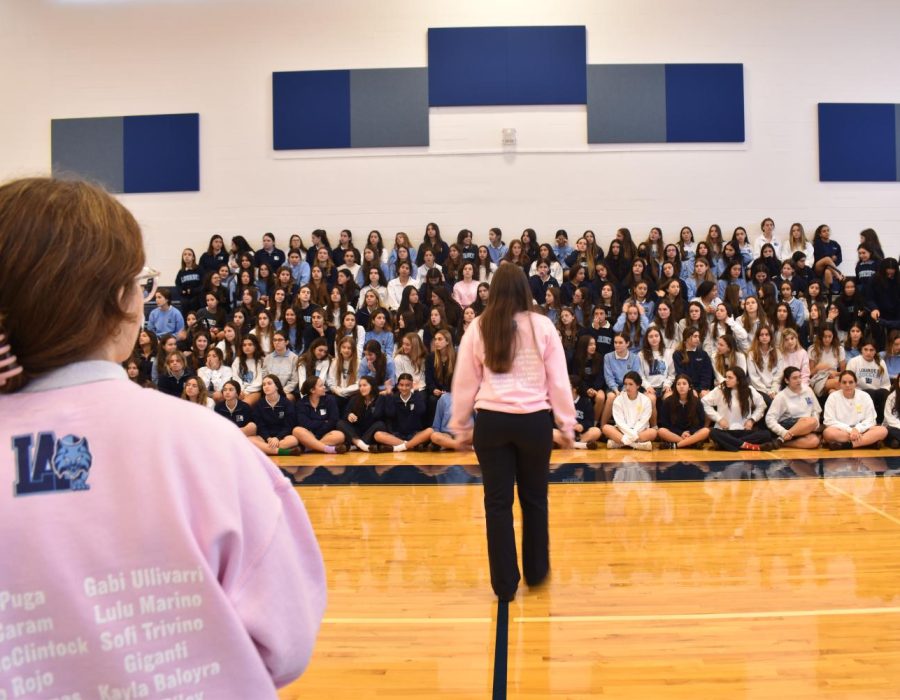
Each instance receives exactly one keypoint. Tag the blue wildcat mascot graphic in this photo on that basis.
(72, 461)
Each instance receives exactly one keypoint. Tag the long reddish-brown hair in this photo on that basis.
(63, 235)
(510, 294)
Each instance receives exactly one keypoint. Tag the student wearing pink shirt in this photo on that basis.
(511, 369)
(161, 565)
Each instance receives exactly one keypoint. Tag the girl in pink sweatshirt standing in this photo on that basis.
(511, 369)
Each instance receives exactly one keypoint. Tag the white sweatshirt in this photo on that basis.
(659, 374)
(867, 373)
(632, 416)
(890, 418)
(846, 414)
(740, 360)
(788, 404)
(765, 380)
(716, 408)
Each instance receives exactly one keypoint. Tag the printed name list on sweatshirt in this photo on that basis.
(145, 623)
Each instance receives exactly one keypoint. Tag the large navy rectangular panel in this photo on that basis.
(857, 142)
(704, 102)
(547, 66)
(162, 153)
(91, 148)
(467, 66)
(311, 109)
(507, 66)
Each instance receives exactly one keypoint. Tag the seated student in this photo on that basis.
(692, 360)
(380, 329)
(726, 356)
(363, 417)
(734, 409)
(586, 433)
(440, 364)
(283, 364)
(317, 417)
(379, 366)
(891, 355)
(616, 365)
(632, 323)
(316, 329)
(849, 417)
(794, 414)
(541, 282)
(405, 412)
(826, 362)
(343, 375)
(682, 422)
(214, 374)
(892, 417)
(410, 358)
(165, 318)
(177, 373)
(314, 362)
(797, 306)
(275, 419)
(872, 375)
(764, 365)
(588, 371)
(601, 331)
(793, 354)
(212, 317)
(631, 411)
(441, 437)
(657, 368)
(195, 392)
(247, 369)
(235, 410)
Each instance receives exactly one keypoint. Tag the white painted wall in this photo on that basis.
(74, 58)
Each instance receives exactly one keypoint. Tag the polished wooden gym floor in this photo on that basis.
(765, 576)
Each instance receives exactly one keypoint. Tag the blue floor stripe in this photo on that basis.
(501, 650)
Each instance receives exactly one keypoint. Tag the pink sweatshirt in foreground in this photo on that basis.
(149, 551)
(538, 380)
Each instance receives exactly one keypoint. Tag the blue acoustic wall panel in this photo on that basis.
(626, 103)
(858, 142)
(389, 107)
(311, 109)
(507, 66)
(153, 153)
(162, 153)
(705, 102)
(89, 148)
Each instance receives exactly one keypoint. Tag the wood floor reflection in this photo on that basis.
(714, 589)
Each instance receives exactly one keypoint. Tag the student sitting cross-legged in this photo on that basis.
(405, 411)
(682, 422)
(317, 417)
(442, 438)
(237, 411)
(849, 417)
(734, 408)
(586, 433)
(794, 414)
(631, 411)
(275, 418)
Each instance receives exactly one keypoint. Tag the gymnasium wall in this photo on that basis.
(67, 59)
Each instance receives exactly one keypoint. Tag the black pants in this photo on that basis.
(350, 432)
(731, 440)
(894, 433)
(515, 449)
(879, 396)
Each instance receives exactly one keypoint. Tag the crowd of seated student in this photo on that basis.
(681, 342)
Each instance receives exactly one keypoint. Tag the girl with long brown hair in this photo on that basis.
(512, 369)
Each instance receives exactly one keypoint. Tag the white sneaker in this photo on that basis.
(641, 446)
(580, 445)
(612, 445)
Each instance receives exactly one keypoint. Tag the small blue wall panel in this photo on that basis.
(858, 142)
(674, 103)
(155, 153)
(477, 66)
(350, 108)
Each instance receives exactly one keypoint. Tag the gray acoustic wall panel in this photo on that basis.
(90, 148)
(626, 103)
(389, 107)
